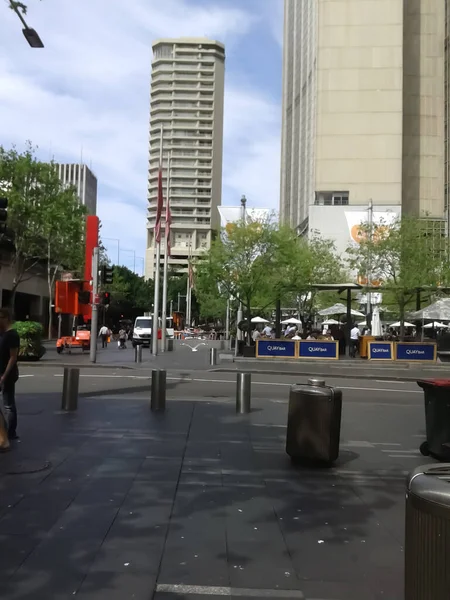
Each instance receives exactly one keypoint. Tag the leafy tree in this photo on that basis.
(131, 295)
(403, 255)
(21, 175)
(240, 264)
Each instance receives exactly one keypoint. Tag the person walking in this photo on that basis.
(122, 339)
(354, 341)
(9, 372)
(104, 334)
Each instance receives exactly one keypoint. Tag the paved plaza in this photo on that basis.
(116, 502)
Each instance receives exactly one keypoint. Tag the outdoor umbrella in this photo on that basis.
(376, 323)
(436, 325)
(338, 309)
(291, 321)
(330, 322)
(438, 311)
(397, 324)
(259, 320)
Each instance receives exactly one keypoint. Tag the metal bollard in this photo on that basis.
(170, 345)
(213, 356)
(138, 353)
(70, 389)
(158, 393)
(243, 393)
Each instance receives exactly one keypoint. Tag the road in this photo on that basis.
(386, 414)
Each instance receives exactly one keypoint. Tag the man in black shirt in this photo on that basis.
(9, 372)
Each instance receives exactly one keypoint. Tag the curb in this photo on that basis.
(352, 375)
(52, 363)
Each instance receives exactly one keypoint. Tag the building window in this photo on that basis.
(331, 199)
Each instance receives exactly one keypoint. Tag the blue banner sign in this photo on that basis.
(276, 348)
(381, 351)
(415, 351)
(318, 349)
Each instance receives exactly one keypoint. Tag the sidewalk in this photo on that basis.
(345, 368)
(195, 503)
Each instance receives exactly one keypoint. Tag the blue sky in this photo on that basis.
(88, 91)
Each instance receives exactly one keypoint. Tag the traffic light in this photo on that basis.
(106, 298)
(84, 297)
(3, 212)
(107, 274)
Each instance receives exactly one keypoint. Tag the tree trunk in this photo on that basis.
(249, 321)
(402, 321)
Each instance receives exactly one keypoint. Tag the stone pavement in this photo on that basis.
(195, 503)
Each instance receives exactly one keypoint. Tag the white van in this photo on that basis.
(142, 331)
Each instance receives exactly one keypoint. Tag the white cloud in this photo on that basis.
(88, 91)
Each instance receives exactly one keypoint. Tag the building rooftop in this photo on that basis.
(187, 40)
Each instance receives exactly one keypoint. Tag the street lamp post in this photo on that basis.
(30, 34)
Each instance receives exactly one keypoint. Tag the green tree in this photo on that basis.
(403, 255)
(63, 221)
(298, 264)
(131, 295)
(21, 175)
(240, 263)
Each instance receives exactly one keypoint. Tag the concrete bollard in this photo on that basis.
(213, 356)
(138, 353)
(158, 392)
(243, 393)
(70, 389)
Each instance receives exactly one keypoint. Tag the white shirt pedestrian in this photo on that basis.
(354, 333)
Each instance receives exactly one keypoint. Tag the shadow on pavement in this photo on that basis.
(197, 496)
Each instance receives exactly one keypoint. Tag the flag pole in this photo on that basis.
(188, 290)
(155, 324)
(166, 263)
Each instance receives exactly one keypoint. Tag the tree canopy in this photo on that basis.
(404, 255)
(45, 222)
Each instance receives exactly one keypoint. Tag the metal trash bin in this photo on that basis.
(427, 533)
(314, 422)
(170, 345)
(437, 418)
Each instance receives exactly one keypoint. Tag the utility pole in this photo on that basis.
(369, 262)
(94, 305)
(239, 334)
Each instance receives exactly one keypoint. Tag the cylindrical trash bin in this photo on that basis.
(170, 345)
(427, 533)
(314, 422)
(437, 418)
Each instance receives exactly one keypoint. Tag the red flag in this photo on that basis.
(168, 224)
(159, 207)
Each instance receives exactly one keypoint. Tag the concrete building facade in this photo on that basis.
(363, 108)
(85, 182)
(187, 102)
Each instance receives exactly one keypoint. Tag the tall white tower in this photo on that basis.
(187, 98)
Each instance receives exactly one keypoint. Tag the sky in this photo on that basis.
(86, 95)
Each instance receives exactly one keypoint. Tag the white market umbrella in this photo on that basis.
(330, 322)
(436, 325)
(338, 309)
(397, 324)
(259, 320)
(362, 324)
(376, 322)
(438, 311)
(291, 321)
